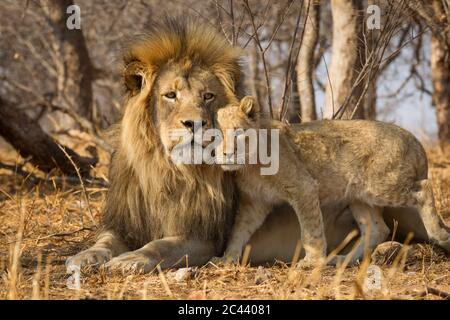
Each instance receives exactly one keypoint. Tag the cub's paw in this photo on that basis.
(132, 262)
(224, 260)
(89, 257)
(310, 263)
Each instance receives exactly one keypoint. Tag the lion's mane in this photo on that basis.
(149, 197)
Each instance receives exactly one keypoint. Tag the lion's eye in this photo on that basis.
(170, 95)
(208, 96)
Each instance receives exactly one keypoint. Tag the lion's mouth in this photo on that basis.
(188, 145)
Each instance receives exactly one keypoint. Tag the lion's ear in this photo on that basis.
(249, 106)
(133, 77)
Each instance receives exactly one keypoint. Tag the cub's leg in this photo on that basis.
(108, 245)
(423, 201)
(251, 215)
(304, 198)
(371, 225)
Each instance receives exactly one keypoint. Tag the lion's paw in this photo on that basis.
(132, 262)
(89, 257)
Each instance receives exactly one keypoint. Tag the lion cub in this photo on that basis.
(366, 165)
(258, 193)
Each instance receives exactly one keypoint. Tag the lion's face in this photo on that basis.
(185, 101)
(176, 76)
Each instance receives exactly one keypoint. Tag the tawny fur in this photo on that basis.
(151, 198)
(367, 165)
(259, 193)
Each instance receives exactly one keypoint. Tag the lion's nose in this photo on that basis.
(193, 124)
(228, 158)
(228, 154)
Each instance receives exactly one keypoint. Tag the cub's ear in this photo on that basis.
(249, 106)
(133, 77)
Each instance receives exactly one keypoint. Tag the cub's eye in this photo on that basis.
(171, 95)
(208, 96)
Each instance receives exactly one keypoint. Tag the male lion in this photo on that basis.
(367, 164)
(176, 75)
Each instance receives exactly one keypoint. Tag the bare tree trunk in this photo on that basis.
(28, 138)
(347, 58)
(305, 64)
(440, 74)
(77, 72)
(370, 99)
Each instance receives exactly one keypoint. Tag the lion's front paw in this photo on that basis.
(132, 262)
(89, 257)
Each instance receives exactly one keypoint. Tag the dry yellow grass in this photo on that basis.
(42, 222)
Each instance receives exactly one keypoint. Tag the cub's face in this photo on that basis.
(238, 123)
(185, 101)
